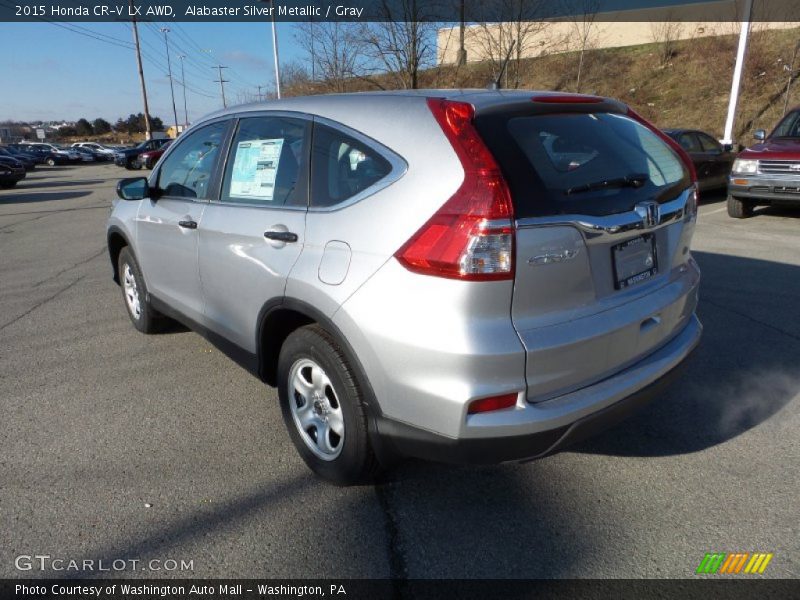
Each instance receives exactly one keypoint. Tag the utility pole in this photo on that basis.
(165, 31)
(222, 83)
(183, 81)
(148, 128)
(737, 72)
(791, 77)
(313, 53)
(259, 92)
(275, 51)
(461, 59)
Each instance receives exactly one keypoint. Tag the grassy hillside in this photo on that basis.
(690, 90)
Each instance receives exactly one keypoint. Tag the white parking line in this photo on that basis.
(711, 212)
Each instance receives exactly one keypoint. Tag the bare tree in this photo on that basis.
(404, 43)
(523, 35)
(666, 33)
(295, 80)
(583, 17)
(335, 51)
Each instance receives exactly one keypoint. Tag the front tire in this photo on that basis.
(323, 408)
(51, 162)
(739, 209)
(134, 292)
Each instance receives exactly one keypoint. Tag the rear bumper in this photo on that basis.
(766, 189)
(553, 424)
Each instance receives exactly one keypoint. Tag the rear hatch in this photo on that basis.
(605, 213)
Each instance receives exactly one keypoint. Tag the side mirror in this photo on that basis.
(133, 188)
(727, 147)
(760, 135)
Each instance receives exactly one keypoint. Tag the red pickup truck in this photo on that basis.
(769, 172)
(149, 159)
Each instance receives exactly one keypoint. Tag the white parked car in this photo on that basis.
(95, 146)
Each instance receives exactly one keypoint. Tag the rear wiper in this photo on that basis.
(634, 180)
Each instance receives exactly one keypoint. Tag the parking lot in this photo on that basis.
(117, 445)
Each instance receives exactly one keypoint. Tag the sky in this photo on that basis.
(50, 73)
(61, 71)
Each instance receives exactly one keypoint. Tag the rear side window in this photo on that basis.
(557, 163)
(342, 167)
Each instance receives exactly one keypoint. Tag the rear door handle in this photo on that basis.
(188, 224)
(281, 236)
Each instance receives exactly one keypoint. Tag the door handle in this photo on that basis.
(188, 224)
(281, 236)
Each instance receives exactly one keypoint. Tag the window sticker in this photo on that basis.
(255, 168)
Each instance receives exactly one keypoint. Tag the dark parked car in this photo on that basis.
(149, 159)
(37, 158)
(27, 162)
(11, 172)
(127, 158)
(47, 156)
(769, 172)
(712, 160)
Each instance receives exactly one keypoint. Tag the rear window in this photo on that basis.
(557, 163)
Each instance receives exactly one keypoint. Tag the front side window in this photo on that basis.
(342, 167)
(688, 142)
(709, 144)
(268, 163)
(187, 171)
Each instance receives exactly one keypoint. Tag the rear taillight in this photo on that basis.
(471, 236)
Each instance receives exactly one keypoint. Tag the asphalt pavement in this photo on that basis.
(120, 446)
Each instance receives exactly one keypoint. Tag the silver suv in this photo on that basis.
(464, 276)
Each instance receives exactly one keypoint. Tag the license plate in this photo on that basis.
(634, 261)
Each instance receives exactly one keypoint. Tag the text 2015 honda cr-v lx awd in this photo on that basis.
(464, 276)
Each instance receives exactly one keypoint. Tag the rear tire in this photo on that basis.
(739, 209)
(134, 293)
(7, 185)
(323, 408)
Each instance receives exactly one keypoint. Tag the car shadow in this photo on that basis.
(743, 372)
(713, 196)
(25, 185)
(779, 210)
(16, 198)
(57, 168)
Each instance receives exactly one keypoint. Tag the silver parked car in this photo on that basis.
(465, 276)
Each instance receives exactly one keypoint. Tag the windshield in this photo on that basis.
(789, 126)
(582, 163)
